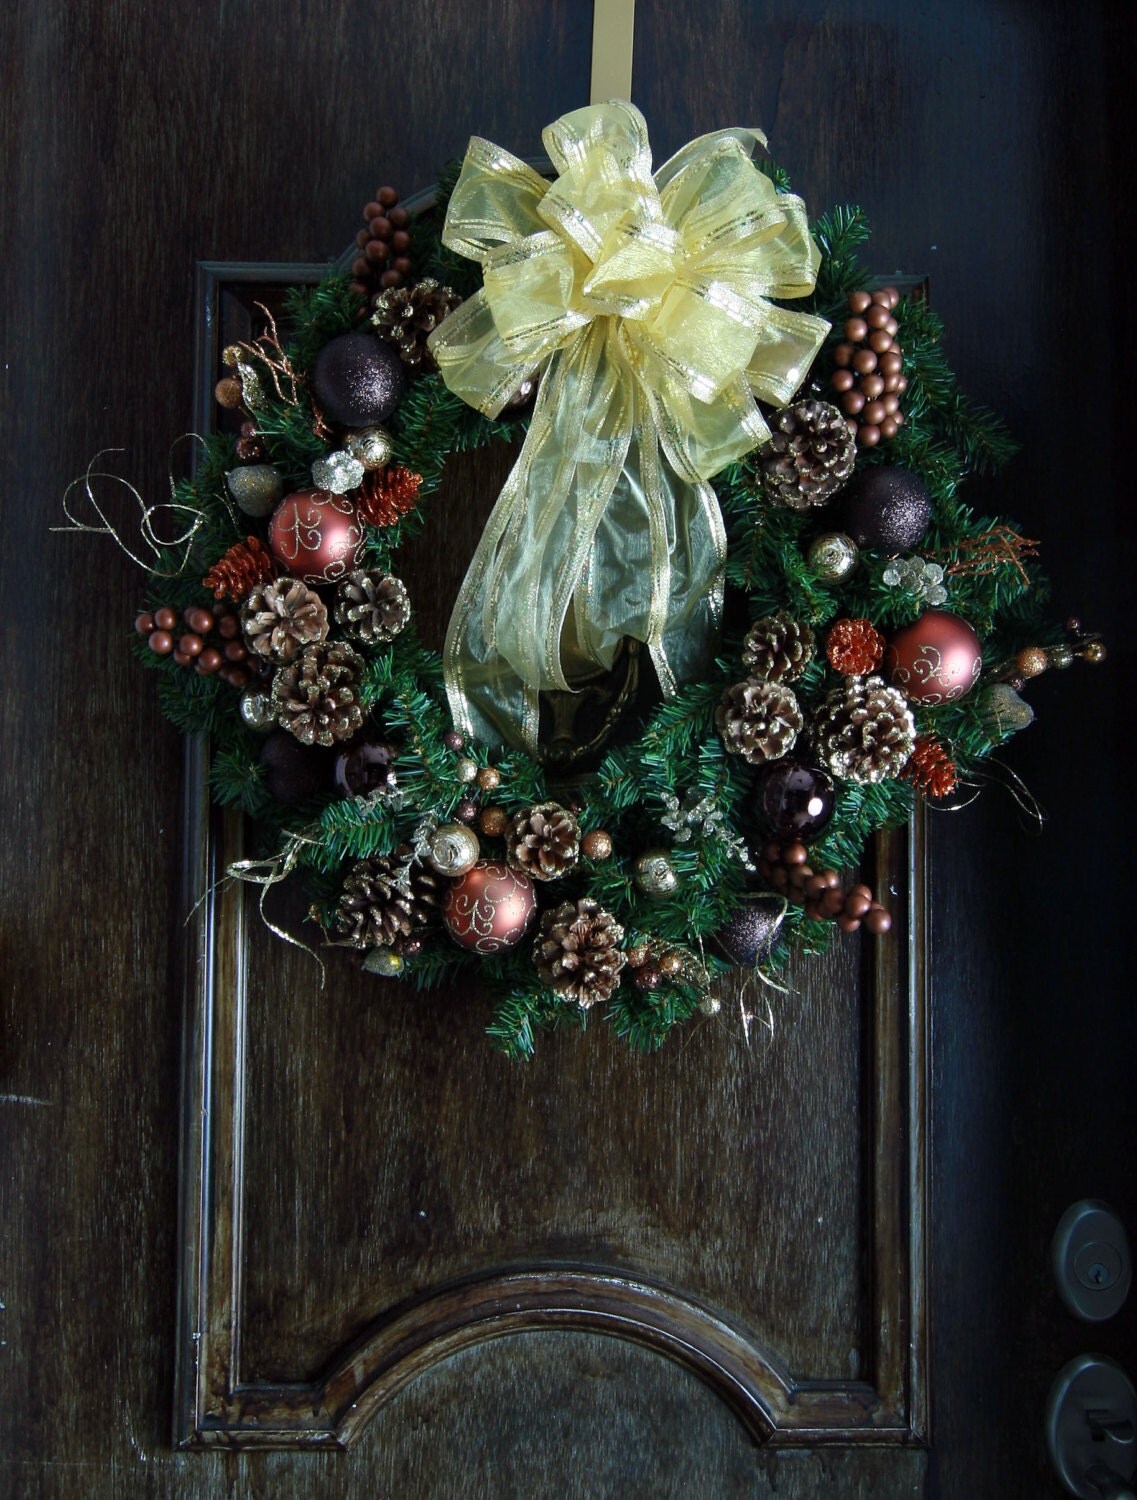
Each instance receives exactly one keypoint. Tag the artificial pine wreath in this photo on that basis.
(875, 641)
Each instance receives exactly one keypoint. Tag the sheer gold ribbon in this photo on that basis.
(643, 301)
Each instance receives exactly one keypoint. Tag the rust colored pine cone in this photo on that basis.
(279, 619)
(406, 317)
(931, 769)
(245, 565)
(317, 695)
(758, 720)
(372, 607)
(577, 953)
(544, 841)
(864, 730)
(386, 899)
(809, 456)
(854, 647)
(778, 648)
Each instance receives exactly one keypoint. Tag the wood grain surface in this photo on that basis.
(989, 143)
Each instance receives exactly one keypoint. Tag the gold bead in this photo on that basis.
(493, 822)
(597, 844)
(671, 963)
(1032, 661)
(488, 778)
(1095, 651)
(466, 770)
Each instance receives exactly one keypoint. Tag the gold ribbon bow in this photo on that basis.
(642, 299)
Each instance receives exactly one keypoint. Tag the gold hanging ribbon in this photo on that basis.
(643, 301)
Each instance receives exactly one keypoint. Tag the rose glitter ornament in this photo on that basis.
(489, 908)
(936, 660)
(316, 536)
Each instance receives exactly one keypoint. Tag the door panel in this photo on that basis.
(988, 142)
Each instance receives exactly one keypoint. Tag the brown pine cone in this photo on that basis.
(280, 619)
(854, 647)
(758, 720)
(577, 953)
(864, 730)
(931, 769)
(544, 841)
(778, 648)
(385, 899)
(372, 607)
(406, 317)
(809, 456)
(317, 695)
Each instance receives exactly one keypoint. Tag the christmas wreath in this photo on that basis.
(705, 649)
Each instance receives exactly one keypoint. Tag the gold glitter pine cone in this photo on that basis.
(406, 316)
(317, 695)
(863, 731)
(372, 607)
(578, 953)
(544, 841)
(279, 619)
(758, 720)
(383, 901)
(809, 456)
(778, 648)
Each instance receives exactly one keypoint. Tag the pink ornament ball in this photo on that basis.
(936, 660)
(315, 536)
(490, 908)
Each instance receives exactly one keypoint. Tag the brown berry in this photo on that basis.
(144, 623)
(859, 302)
(209, 661)
(399, 218)
(387, 196)
(200, 620)
(165, 618)
(856, 329)
(228, 393)
(1032, 661)
(647, 977)
(161, 642)
(190, 644)
(670, 964)
(878, 921)
(466, 811)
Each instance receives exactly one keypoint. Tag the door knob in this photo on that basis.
(1091, 1428)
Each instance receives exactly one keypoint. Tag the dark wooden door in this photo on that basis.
(744, 1268)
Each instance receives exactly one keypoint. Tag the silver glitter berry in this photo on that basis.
(923, 580)
(832, 556)
(337, 472)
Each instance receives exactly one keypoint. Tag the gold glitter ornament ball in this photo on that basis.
(654, 874)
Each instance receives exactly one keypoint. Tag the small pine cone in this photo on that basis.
(386, 494)
(809, 457)
(317, 695)
(758, 720)
(544, 841)
(280, 619)
(854, 647)
(864, 730)
(245, 565)
(931, 769)
(406, 317)
(578, 954)
(386, 899)
(372, 607)
(778, 648)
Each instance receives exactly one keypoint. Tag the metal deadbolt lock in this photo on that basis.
(1092, 1266)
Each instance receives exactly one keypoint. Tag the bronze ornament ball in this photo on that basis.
(490, 908)
(363, 766)
(793, 800)
(294, 773)
(886, 508)
(936, 660)
(357, 380)
(316, 536)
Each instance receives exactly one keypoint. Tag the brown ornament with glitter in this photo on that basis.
(490, 908)
(316, 536)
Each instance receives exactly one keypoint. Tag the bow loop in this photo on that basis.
(644, 300)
